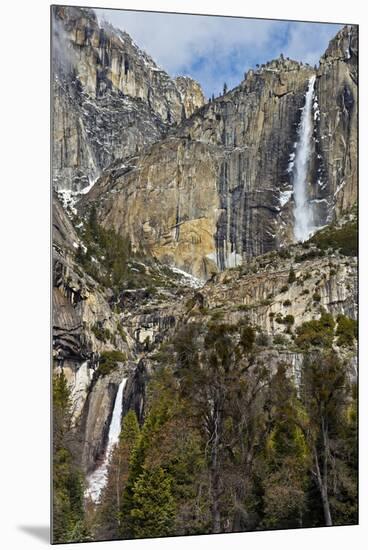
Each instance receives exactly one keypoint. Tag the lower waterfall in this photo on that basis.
(303, 212)
(98, 479)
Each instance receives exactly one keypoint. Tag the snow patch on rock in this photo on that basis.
(285, 196)
(188, 278)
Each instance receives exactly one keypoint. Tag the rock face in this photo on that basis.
(337, 95)
(97, 413)
(166, 202)
(219, 188)
(191, 94)
(110, 99)
(80, 305)
(261, 290)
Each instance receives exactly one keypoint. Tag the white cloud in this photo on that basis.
(308, 41)
(218, 49)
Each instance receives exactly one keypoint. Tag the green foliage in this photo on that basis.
(109, 361)
(101, 333)
(287, 303)
(217, 315)
(310, 255)
(106, 255)
(130, 429)
(68, 510)
(122, 333)
(280, 340)
(316, 332)
(344, 239)
(61, 394)
(227, 443)
(247, 338)
(153, 511)
(286, 461)
(262, 339)
(292, 276)
(284, 288)
(328, 400)
(284, 253)
(288, 320)
(168, 442)
(346, 331)
(244, 307)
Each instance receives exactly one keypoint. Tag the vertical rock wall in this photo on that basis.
(110, 99)
(337, 91)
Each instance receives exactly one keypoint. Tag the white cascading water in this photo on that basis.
(303, 212)
(98, 479)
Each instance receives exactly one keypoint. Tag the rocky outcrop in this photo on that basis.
(110, 99)
(337, 116)
(135, 391)
(85, 324)
(191, 94)
(80, 306)
(96, 419)
(167, 202)
(262, 293)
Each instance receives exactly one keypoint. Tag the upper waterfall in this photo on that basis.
(303, 212)
(98, 479)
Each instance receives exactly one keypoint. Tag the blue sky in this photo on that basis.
(214, 50)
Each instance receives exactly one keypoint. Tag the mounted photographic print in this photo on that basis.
(205, 187)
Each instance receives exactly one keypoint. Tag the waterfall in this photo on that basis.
(98, 479)
(303, 212)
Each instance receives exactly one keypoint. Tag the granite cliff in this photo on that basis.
(110, 99)
(220, 185)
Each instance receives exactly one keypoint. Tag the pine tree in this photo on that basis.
(68, 512)
(153, 510)
(135, 469)
(286, 459)
(325, 397)
(222, 384)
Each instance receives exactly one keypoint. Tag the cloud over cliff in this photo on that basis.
(215, 49)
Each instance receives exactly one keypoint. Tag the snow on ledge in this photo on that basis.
(191, 281)
(285, 196)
